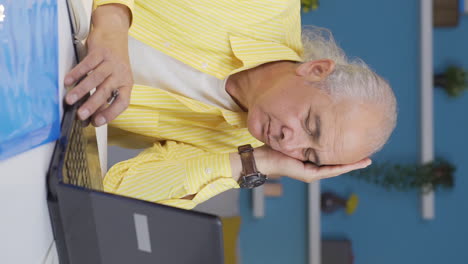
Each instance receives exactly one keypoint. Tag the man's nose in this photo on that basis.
(291, 143)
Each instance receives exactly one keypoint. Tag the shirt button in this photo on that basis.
(208, 170)
(204, 65)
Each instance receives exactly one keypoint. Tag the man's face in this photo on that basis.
(304, 123)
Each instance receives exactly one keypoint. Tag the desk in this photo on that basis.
(25, 230)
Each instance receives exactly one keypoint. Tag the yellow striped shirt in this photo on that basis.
(190, 140)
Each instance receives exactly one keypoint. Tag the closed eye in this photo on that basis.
(306, 125)
(315, 135)
(306, 154)
(317, 131)
(315, 159)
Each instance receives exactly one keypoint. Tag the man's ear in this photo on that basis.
(317, 70)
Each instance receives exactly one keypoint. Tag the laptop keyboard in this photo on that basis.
(81, 166)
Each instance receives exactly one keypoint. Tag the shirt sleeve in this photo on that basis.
(169, 171)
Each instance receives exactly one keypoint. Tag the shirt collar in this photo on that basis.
(252, 53)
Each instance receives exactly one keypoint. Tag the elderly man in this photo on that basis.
(225, 93)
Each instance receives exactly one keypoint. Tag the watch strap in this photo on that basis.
(250, 177)
(248, 160)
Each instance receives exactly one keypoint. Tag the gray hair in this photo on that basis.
(352, 79)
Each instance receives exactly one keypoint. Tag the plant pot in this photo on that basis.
(330, 202)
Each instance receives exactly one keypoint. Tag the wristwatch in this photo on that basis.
(250, 177)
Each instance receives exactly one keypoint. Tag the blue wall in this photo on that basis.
(387, 227)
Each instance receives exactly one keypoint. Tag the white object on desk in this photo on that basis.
(26, 233)
(51, 256)
(80, 12)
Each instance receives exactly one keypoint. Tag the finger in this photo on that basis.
(328, 171)
(99, 98)
(98, 112)
(117, 107)
(91, 61)
(335, 170)
(324, 172)
(94, 79)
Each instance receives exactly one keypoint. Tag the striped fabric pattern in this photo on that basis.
(189, 141)
(199, 33)
(167, 172)
(161, 115)
(171, 169)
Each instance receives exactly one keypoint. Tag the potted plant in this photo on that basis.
(438, 173)
(454, 80)
(331, 202)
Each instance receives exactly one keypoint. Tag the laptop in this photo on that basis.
(91, 226)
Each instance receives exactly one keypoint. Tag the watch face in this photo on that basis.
(252, 181)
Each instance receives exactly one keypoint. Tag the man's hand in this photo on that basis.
(276, 164)
(106, 66)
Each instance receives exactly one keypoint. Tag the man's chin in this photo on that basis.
(257, 136)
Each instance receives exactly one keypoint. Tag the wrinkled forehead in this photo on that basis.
(354, 124)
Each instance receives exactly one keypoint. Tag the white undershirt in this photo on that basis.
(153, 68)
